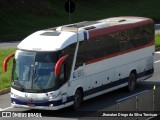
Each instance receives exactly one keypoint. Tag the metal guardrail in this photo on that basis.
(148, 101)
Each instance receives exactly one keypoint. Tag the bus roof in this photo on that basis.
(57, 38)
(48, 40)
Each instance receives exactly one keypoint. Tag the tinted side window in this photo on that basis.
(113, 43)
(82, 54)
(96, 48)
(134, 37)
(123, 39)
(137, 38)
(103, 46)
(148, 32)
(70, 52)
(142, 35)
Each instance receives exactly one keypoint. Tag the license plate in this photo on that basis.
(33, 96)
(31, 105)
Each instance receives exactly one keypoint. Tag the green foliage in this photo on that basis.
(157, 42)
(19, 18)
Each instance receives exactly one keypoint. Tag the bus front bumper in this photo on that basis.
(51, 107)
(43, 105)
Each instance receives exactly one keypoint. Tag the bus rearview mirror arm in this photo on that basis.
(58, 64)
(6, 61)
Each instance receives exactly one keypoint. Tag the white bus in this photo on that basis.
(63, 66)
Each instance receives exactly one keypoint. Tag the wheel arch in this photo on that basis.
(135, 72)
(78, 98)
(79, 88)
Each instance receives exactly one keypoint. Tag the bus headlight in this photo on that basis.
(53, 95)
(14, 95)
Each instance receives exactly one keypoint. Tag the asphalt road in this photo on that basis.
(157, 28)
(96, 104)
(6, 45)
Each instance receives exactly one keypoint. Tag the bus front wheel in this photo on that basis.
(132, 82)
(78, 98)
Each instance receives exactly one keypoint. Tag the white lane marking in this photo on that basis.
(131, 96)
(157, 61)
(6, 108)
(158, 52)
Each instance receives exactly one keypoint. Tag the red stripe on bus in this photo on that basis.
(120, 53)
(111, 29)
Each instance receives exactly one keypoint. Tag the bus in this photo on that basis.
(66, 65)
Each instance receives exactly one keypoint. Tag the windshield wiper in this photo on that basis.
(22, 88)
(29, 72)
(35, 75)
(18, 85)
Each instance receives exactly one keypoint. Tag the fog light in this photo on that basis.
(50, 97)
(51, 105)
(14, 102)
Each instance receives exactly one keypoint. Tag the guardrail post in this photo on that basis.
(118, 109)
(136, 106)
(154, 88)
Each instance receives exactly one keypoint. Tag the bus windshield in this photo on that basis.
(34, 71)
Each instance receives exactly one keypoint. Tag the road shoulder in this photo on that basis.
(3, 91)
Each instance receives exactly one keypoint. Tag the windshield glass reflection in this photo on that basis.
(34, 70)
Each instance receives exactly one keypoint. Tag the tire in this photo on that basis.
(132, 82)
(78, 98)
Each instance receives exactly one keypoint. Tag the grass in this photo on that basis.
(17, 22)
(157, 42)
(5, 78)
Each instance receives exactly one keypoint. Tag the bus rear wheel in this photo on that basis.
(78, 98)
(132, 82)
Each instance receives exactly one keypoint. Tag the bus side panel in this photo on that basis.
(146, 68)
(100, 81)
(142, 61)
(118, 68)
(122, 65)
(108, 76)
(120, 60)
(75, 84)
(96, 80)
(122, 73)
(93, 84)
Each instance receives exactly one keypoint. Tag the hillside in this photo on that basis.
(19, 18)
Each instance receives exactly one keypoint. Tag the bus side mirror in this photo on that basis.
(6, 61)
(59, 64)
